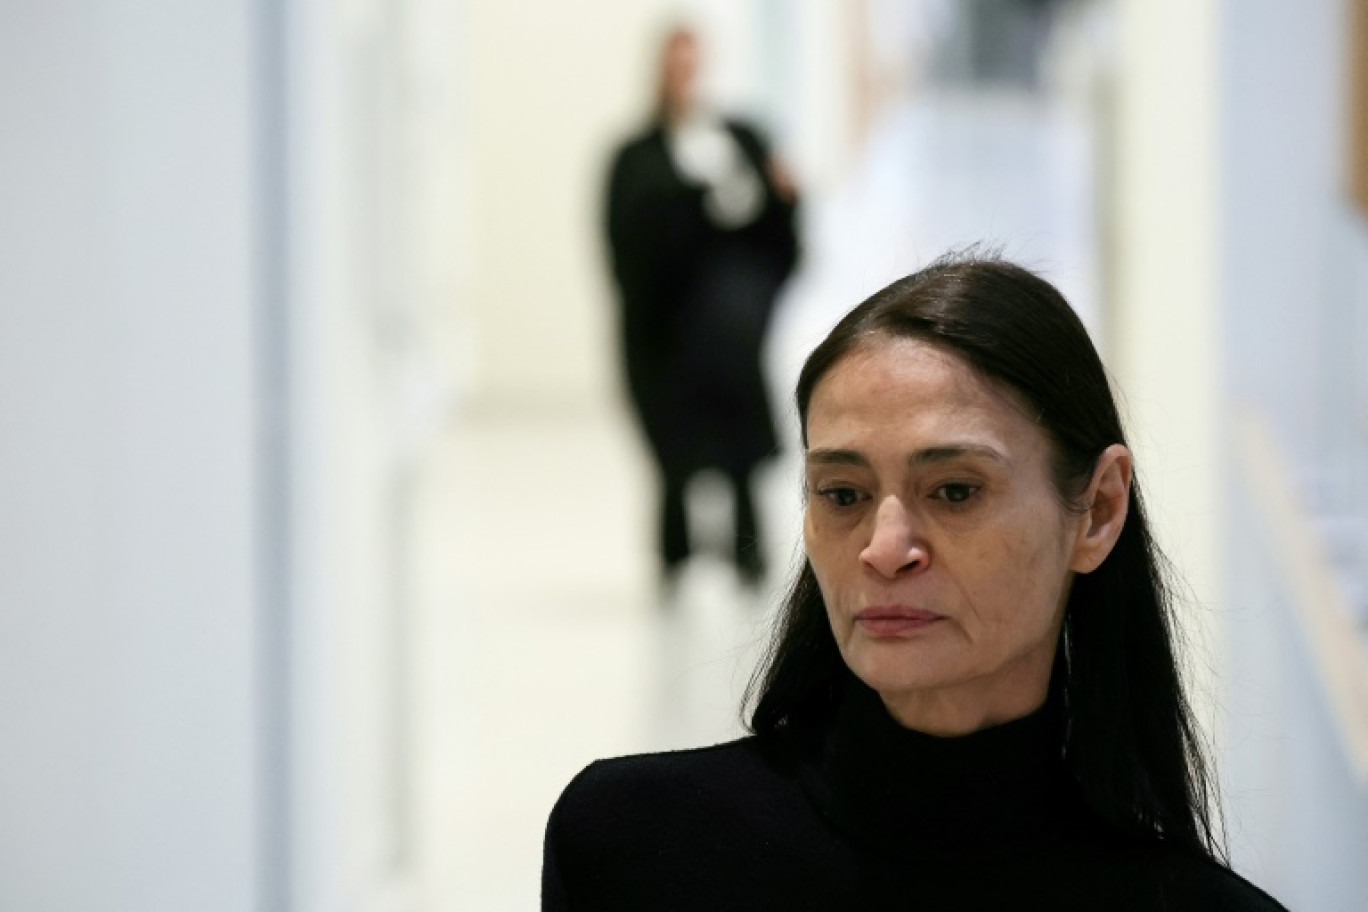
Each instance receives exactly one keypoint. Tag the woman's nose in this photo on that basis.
(895, 546)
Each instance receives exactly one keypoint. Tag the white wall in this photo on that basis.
(548, 87)
(374, 251)
(226, 319)
(1234, 253)
(127, 430)
(1165, 326)
(1295, 282)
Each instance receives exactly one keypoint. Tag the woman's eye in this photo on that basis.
(840, 497)
(955, 492)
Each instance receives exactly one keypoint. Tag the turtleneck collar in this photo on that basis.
(896, 787)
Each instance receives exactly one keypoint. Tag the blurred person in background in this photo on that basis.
(972, 699)
(701, 236)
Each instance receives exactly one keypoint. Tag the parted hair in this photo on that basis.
(1131, 740)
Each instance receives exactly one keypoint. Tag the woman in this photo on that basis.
(701, 236)
(972, 699)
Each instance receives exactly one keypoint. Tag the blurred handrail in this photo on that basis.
(1320, 603)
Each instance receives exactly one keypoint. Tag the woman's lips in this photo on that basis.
(895, 620)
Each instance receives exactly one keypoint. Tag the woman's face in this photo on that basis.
(939, 543)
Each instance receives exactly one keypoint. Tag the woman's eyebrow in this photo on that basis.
(954, 451)
(836, 457)
(924, 456)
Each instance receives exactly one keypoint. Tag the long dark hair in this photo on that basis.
(1131, 740)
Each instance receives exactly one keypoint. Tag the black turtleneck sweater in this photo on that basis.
(870, 816)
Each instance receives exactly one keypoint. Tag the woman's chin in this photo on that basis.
(886, 671)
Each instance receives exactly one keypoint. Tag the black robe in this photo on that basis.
(695, 301)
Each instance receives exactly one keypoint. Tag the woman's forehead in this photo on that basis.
(891, 370)
(892, 385)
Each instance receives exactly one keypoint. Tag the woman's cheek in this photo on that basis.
(830, 600)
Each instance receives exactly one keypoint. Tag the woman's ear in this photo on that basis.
(1106, 502)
